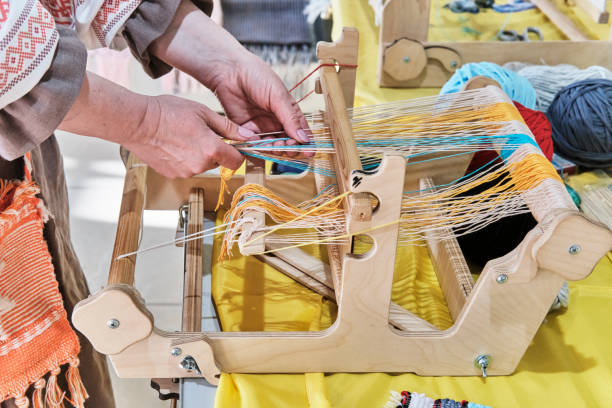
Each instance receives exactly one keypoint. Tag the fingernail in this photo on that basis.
(246, 133)
(303, 136)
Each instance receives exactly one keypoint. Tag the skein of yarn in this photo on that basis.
(548, 80)
(518, 88)
(581, 119)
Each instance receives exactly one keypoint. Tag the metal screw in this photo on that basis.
(189, 364)
(454, 64)
(502, 278)
(176, 351)
(482, 361)
(574, 249)
(112, 323)
(406, 59)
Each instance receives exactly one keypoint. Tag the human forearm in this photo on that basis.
(175, 136)
(251, 93)
(107, 111)
(195, 44)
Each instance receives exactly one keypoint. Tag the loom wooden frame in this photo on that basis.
(406, 59)
(495, 319)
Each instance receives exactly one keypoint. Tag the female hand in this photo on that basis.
(250, 92)
(180, 138)
(175, 136)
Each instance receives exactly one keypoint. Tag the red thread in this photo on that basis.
(316, 69)
(305, 96)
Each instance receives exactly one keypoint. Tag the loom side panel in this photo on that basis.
(579, 53)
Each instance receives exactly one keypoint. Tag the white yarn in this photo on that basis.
(316, 8)
(420, 401)
(548, 80)
(562, 299)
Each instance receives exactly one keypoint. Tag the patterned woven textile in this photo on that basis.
(28, 36)
(407, 399)
(36, 338)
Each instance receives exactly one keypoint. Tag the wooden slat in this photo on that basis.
(297, 275)
(194, 250)
(305, 268)
(582, 54)
(559, 19)
(130, 221)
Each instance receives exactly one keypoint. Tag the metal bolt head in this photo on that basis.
(502, 278)
(406, 59)
(574, 249)
(454, 64)
(176, 351)
(482, 361)
(112, 323)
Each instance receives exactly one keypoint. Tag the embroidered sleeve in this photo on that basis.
(97, 22)
(150, 20)
(28, 121)
(28, 39)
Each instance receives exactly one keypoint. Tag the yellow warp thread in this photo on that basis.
(451, 208)
(262, 199)
(299, 217)
(226, 174)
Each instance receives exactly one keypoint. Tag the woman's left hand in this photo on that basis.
(251, 93)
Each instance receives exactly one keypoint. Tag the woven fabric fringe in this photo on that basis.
(36, 338)
(407, 399)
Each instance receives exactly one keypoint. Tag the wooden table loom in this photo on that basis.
(407, 60)
(495, 318)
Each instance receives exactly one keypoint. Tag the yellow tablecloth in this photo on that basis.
(568, 364)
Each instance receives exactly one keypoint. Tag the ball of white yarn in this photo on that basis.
(548, 80)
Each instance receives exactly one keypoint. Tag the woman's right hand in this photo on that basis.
(177, 137)
(180, 138)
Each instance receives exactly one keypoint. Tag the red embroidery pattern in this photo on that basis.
(4, 11)
(62, 10)
(34, 27)
(110, 14)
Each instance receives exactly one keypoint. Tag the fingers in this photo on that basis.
(224, 127)
(226, 156)
(291, 117)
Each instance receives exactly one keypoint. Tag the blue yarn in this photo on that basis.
(518, 88)
(581, 119)
(513, 6)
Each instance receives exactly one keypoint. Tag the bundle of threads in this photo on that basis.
(407, 399)
(548, 80)
(578, 103)
(424, 129)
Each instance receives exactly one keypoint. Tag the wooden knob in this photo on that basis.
(404, 60)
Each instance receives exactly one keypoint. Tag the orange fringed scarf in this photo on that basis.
(35, 335)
